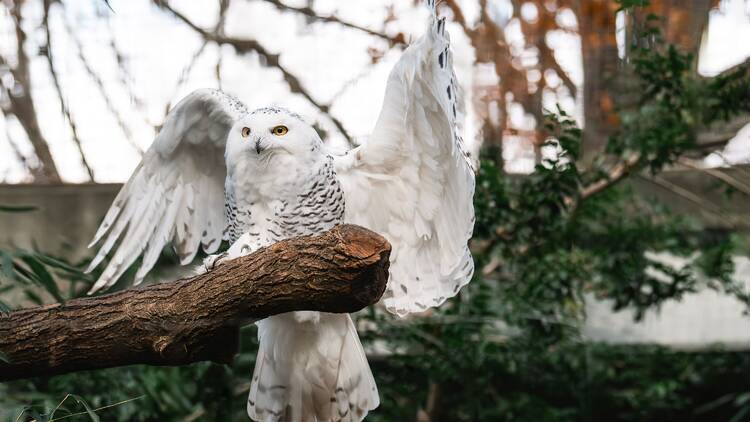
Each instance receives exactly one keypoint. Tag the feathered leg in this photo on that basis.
(310, 368)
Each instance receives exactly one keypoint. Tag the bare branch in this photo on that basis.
(569, 84)
(719, 174)
(17, 152)
(721, 132)
(184, 75)
(102, 90)
(458, 16)
(244, 46)
(22, 105)
(310, 13)
(618, 172)
(196, 319)
(126, 78)
(223, 7)
(56, 82)
(689, 196)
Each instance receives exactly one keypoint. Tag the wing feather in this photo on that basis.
(176, 193)
(412, 181)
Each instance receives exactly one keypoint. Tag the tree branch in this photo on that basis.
(56, 82)
(99, 83)
(22, 104)
(244, 46)
(618, 172)
(310, 13)
(458, 16)
(720, 133)
(196, 319)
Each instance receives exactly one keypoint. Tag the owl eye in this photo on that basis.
(280, 130)
(245, 132)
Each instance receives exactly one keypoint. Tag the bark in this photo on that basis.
(683, 22)
(600, 65)
(197, 319)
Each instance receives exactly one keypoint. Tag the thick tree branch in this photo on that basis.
(196, 319)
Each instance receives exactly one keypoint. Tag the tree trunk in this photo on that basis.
(600, 65)
(196, 319)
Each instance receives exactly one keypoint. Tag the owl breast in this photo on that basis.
(312, 203)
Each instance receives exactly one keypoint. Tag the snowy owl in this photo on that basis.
(219, 172)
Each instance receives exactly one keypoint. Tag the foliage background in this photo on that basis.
(509, 347)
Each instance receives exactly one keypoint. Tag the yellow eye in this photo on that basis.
(245, 132)
(280, 130)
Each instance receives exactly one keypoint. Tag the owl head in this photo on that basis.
(272, 134)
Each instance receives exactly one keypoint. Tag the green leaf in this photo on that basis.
(6, 265)
(92, 414)
(39, 417)
(4, 308)
(33, 297)
(60, 265)
(4, 358)
(18, 208)
(42, 276)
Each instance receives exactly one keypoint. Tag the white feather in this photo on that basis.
(411, 180)
(310, 368)
(177, 192)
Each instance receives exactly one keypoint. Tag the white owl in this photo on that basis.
(217, 171)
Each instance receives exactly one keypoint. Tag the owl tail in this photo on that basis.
(310, 368)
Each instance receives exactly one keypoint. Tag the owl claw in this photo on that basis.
(213, 261)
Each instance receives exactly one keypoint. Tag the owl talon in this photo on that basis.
(213, 261)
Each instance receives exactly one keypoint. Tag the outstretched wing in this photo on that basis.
(412, 182)
(177, 191)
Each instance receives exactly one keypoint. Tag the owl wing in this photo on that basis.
(176, 193)
(412, 182)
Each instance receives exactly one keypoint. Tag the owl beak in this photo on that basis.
(258, 148)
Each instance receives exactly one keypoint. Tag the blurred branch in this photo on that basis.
(687, 195)
(184, 75)
(721, 133)
(310, 13)
(196, 319)
(718, 174)
(458, 16)
(431, 412)
(223, 7)
(616, 174)
(22, 105)
(56, 82)
(126, 78)
(100, 86)
(17, 152)
(244, 46)
(552, 61)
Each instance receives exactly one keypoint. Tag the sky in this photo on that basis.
(332, 62)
